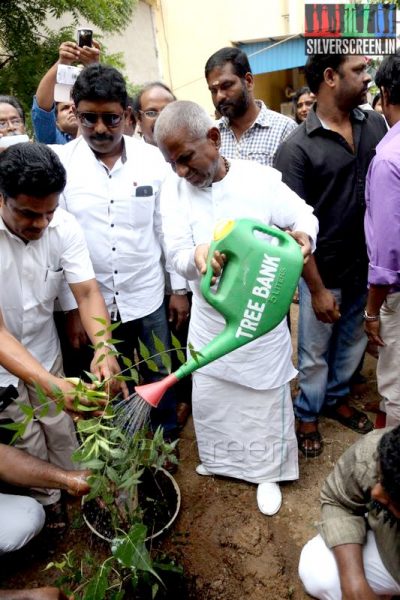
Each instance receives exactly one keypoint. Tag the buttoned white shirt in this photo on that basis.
(251, 191)
(118, 209)
(31, 276)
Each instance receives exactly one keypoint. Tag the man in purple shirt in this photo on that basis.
(382, 227)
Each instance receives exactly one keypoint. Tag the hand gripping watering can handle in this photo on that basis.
(237, 241)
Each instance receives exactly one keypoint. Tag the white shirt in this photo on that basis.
(249, 190)
(31, 276)
(119, 213)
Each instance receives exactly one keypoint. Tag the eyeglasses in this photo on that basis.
(15, 122)
(150, 114)
(89, 119)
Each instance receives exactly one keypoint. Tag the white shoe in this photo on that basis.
(202, 470)
(269, 498)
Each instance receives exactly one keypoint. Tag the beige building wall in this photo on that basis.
(189, 31)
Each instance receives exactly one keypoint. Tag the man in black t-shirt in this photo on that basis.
(325, 161)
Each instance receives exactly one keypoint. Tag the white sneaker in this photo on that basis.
(269, 498)
(202, 470)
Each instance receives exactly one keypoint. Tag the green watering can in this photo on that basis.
(253, 295)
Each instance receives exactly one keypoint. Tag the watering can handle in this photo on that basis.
(218, 244)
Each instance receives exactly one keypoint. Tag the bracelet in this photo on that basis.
(370, 318)
(182, 292)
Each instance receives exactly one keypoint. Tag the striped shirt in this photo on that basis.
(260, 142)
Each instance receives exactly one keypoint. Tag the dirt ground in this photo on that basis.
(228, 549)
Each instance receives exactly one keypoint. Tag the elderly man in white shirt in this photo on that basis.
(242, 407)
(112, 189)
(40, 245)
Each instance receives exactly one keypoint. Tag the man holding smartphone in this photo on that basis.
(56, 123)
(112, 188)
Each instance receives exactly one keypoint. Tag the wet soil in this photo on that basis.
(228, 549)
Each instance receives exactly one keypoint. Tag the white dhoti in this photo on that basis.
(21, 518)
(243, 432)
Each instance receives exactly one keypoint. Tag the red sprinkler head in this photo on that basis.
(153, 392)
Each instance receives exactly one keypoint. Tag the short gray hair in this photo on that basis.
(182, 113)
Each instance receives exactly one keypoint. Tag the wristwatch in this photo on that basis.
(110, 347)
(370, 318)
(182, 292)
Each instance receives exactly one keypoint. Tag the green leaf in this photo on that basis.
(134, 374)
(40, 393)
(44, 411)
(100, 333)
(178, 347)
(194, 353)
(131, 550)
(100, 320)
(113, 326)
(152, 365)
(126, 361)
(98, 585)
(112, 475)
(95, 464)
(143, 350)
(166, 361)
(27, 410)
(154, 590)
(159, 344)
(101, 357)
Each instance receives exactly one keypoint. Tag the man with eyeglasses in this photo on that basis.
(12, 117)
(148, 104)
(112, 189)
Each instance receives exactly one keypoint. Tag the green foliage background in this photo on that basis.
(28, 47)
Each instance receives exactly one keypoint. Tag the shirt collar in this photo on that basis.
(313, 123)
(263, 118)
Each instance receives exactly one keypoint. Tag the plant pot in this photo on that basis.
(158, 490)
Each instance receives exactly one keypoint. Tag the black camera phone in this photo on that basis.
(84, 38)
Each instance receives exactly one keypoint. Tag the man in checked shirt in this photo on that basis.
(249, 130)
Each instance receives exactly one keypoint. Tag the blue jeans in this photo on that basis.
(328, 354)
(130, 332)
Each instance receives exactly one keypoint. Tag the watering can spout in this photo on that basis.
(153, 392)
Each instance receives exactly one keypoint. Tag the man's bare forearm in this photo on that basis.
(376, 297)
(21, 469)
(18, 361)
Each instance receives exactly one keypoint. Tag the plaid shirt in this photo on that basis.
(260, 142)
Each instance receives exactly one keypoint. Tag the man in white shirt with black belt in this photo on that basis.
(40, 245)
(112, 189)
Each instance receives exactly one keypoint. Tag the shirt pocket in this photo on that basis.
(141, 211)
(51, 286)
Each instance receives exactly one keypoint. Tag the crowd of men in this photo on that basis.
(98, 219)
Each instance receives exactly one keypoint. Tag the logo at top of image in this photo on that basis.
(350, 20)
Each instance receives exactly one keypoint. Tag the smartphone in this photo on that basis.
(10, 140)
(84, 37)
(144, 190)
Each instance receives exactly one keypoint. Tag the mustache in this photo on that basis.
(102, 137)
(223, 105)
